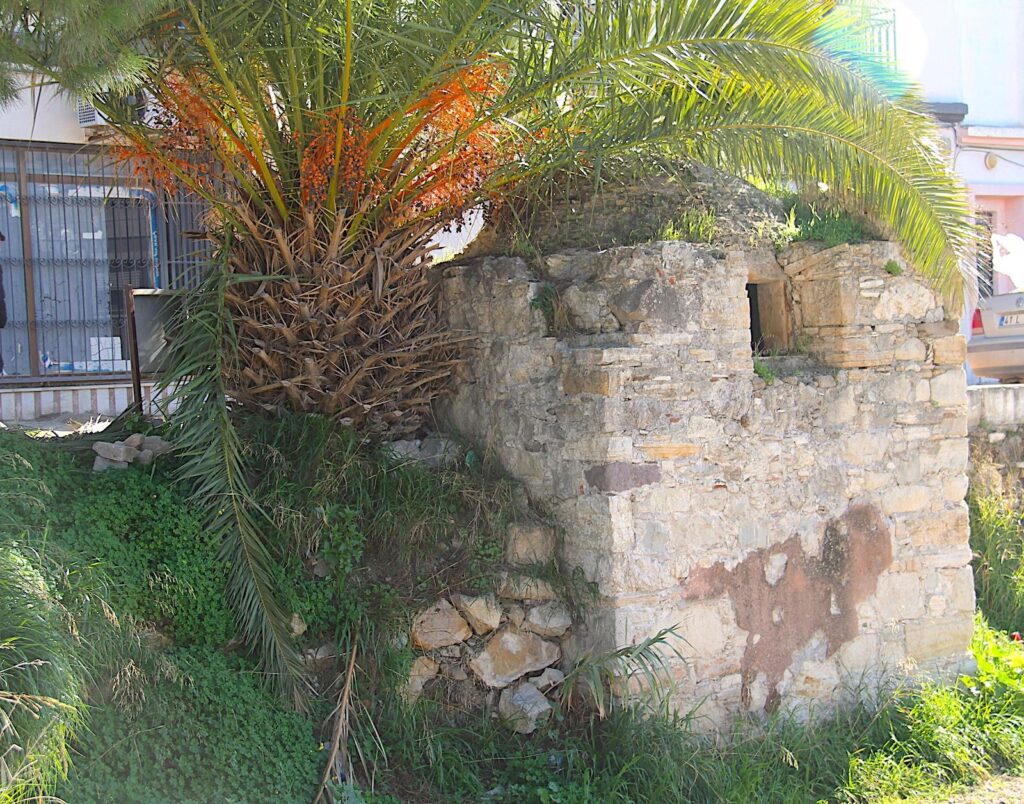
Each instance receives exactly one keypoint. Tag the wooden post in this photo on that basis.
(133, 349)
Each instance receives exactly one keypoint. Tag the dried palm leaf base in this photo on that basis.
(360, 338)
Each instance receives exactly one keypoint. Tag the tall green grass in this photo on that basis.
(997, 539)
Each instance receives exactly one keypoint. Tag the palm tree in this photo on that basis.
(333, 139)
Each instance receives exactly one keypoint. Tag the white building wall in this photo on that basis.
(966, 51)
(42, 115)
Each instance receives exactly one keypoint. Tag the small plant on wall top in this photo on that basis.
(764, 371)
(696, 225)
(893, 268)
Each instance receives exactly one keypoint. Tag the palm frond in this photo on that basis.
(215, 468)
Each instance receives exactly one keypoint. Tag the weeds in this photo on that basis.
(693, 225)
(893, 268)
(556, 313)
(764, 371)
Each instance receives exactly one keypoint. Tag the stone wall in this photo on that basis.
(998, 407)
(805, 529)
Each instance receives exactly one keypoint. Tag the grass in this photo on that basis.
(693, 225)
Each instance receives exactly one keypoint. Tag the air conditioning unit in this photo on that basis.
(88, 115)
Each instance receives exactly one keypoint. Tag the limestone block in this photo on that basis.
(961, 592)
(587, 382)
(116, 451)
(903, 299)
(101, 464)
(841, 407)
(950, 351)
(621, 476)
(864, 448)
(913, 349)
(906, 499)
(511, 654)
(547, 680)
(156, 445)
(859, 654)
(669, 451)
(145, 457)
(954, 489)
(438, 626)
(548, 619)
(523, 587)
(949, 388)
(483, 613)
(900, 595)
(135, 440)
(524, 708)
(423, 669)
(529, 543)
(947, 455)
(939, 639)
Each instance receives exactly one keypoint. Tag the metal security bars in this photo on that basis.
(78, 231)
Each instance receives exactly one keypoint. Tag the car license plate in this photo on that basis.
(1011, 320)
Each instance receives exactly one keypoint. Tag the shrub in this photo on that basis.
(208, 733)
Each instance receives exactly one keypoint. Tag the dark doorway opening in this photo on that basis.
(756, 338)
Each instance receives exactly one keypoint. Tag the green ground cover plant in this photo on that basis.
(208, 731)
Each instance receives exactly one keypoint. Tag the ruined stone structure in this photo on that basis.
(804, 525)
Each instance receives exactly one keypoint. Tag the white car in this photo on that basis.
(996, 348)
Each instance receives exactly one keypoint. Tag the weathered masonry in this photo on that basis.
(805, 524)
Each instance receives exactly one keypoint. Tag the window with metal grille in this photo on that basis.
(79, 231)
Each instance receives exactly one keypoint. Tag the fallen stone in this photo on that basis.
(548, 619)
(423, 669)
(297, 625)
(135, 440)
(116, 451)
(516, 615)
(156, 445)
(483, 613)
(405, 448)
(101, 464)
(547, 680)
(510, 655)
(321, 654)
(524, 708)
(529, 544)
(438, 451)
(438, 627)
(450, 651)
(523, 587)
(454, 672)
(145, 457)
